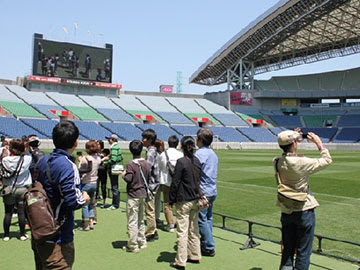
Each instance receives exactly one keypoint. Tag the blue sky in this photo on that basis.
(153, 40)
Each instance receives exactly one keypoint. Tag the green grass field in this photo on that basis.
(246, 189)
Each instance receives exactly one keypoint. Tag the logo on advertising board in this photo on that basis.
(166, 88)
(239, 98)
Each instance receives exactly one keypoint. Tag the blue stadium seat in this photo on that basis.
(43, 126)
(116, 115)
(289, 121)
(125, 131)
(45, 109)
(16, 129)
(326, 134)
(230, 119)
(349, 121)
(174, 118)
(91, 130)
(163, 132)
(348, 135)
(258, 134)
(228, 134)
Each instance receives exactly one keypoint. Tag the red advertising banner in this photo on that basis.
(73, 82)
(166, 88)
(239, 98)
(44, 79)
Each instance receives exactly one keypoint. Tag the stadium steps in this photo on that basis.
(164, 121)
(132, 116)
(38, 130)
(93, 108)
(57, 103)
(336, 134)
(221, 124)
(176, 108)
(26, 102)
(250, 139)
(335, 124)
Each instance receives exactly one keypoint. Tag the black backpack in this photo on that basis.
(170, 167)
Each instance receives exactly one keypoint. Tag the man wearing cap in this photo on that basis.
(298, 223)
(115, 157)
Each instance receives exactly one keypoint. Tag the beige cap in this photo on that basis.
(287, 137)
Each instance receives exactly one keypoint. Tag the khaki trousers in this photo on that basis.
(187, 232)
(136, 227)
(150, 218)
(168, 209)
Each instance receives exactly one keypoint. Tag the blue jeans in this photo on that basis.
(114, 180)
(206, 226)
(297, 234)
(88, 211)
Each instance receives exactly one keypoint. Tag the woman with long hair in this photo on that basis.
(18, 177)
(89, 181)
(184, 192)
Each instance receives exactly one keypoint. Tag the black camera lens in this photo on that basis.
(304, 135)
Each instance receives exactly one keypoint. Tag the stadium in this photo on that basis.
(245, 117)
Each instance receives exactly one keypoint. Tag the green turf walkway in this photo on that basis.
(101, 249)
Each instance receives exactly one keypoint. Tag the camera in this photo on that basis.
(304, 135)
(79, 153)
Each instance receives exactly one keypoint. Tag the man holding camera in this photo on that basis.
(298, 219)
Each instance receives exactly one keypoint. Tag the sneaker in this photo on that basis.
(84, 229)
(24, 237)
(102, 206)
(176, 266)
(112, 208)
(193, 261)
(170, 228)
(208, 252)
(152, 237)
(159, 223)
(127, 249)
(143, 246)
(14, 215)
(6, 239)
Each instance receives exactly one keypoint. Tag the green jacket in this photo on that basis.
(115, 156)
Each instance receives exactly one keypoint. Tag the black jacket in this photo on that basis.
(183, 186)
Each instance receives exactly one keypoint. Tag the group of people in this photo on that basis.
(181, 176)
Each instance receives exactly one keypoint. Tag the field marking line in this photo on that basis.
(273, 188)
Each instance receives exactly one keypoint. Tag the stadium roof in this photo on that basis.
(292, 32)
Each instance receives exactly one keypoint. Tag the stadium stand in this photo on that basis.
(331, 80)
(38, 100)
(276, 130)
(91, 130)
(77, 107)
(185, 130)
(352, 79)
(349, 120)
(326, 134)
(164, 110)
(228, 134)
(289, 121)
(14, 105)
(226, 117)
(163, 132)
(319, 120)
(287, 83)
(258, 134)
(107, 108)
(348, 135)
(191, 109)
(125, 131)
(135, 108)
(266, 85)
(42, 126)
(252, 116)
(308, 82)
(13, 128)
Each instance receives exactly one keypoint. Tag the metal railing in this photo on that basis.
(250, 242)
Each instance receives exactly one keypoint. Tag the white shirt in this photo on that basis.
(174, 155)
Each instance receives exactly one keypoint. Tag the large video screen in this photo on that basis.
(69, 60)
